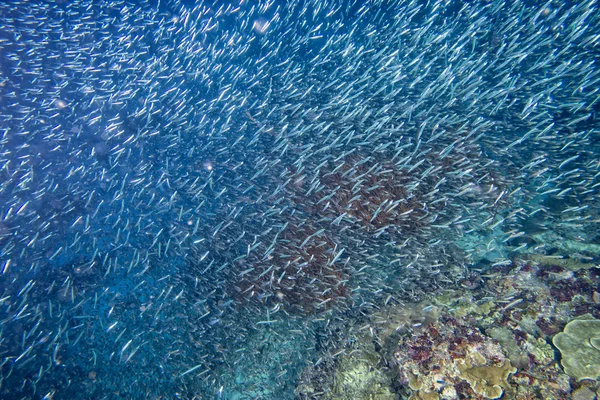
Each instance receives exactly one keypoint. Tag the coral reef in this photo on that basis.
(472, 343)
(450, 360)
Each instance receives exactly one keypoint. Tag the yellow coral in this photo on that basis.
(489, 381)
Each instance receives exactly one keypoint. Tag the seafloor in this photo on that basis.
(528, 329)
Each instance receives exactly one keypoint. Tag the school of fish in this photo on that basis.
(177, 176)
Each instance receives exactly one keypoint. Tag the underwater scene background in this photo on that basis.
(299, 199)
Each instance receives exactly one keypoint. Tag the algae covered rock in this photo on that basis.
(579, 345)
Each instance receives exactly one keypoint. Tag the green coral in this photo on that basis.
(579, 346)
